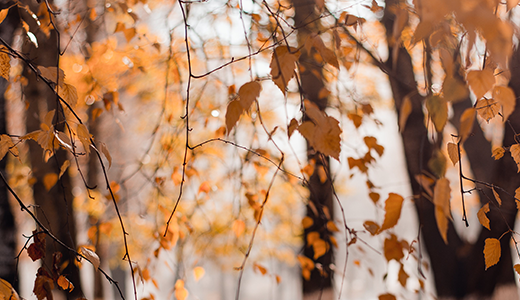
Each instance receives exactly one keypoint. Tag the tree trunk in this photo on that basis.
(320, 207)
(458, 267)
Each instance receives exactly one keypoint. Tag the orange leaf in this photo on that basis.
(7, 291)
(387, 297)
(438, 110)
(517, 268)
(238, 227)
(498, 153)
(84, 137)
(487, 108)
(454, 89)
(453, 153)
(371, 227)
(510, 5)
(65, 284)
(49, 180)
(404, 112)
(492, 252)
(283, 65)
(393, 207)
(233, 112)
(497, 197)
(260, 268)
(482, 218)
(64, 167)
(320, 247)
(248, 93)
(466, 123)
(441, 200)
(402, 277)
(371, 143)
(505, 96)
(181, 293)
(198, 272)
(515, 153)
(51, 74)
(307, 222)
(69, 94)
(5, 65)
(480, 81)
(393, 249)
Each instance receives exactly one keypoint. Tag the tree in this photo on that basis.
(199, 185)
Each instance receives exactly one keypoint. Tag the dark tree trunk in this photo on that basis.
(458, 267)
(320, 207)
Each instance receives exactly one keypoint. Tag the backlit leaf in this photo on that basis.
(320, 247)
(453, 153)
(198, 272)
(5, 65)
(49, 180)
(487, 108)
(248, 93)
(393, 207)
(283, 65)
(64, 167)
(327, 54)
(466, 123)
(515, 153)
(438, 111)
(51, 73)
(307, 222)
(497, 197)
(260, 268)
(84, 137)
(404, 112)
(69, 94)
(480, 81)
(181, 293)
(492, 252)
(3, 14)
(7, 291)
(103, 148)
(505, 96)
(498, 153)
(65, 284)
(482, 217)
(233, 112)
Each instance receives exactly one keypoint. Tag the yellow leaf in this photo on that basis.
(307, 222)
(517, 194)
(454, 89)
(466, 123)
(248, 93)
(238, 227)
(482, 217)
(5, 65)
(438, 110)
(492, 252)
(393, 207)
(3, 13)
(505, 96)
(65, 284)
(497, 197)
(181, 293)
(283, 65)
(49, 180)
(198, 272)
(91, 256)
(453, 153)
(487, 108)
(498, 152)
(515, 153)
(103, 148)
(320, 247)
(480, 81)
(7, 292)
(404, 112)
(64, 167)
(233, 112)
(84, 137)
(69, 94)
(51, 73)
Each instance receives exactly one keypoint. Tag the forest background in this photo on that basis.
(160, 140)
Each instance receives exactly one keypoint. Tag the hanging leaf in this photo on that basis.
(238, 227)
(7, 291)
(393, 206)
(49, 180)
(283, 65)
(91, 256)
(249, 93)
(393, 248)
(198, 273)
(69, 94)
(371, 227)
(505, 96)
(487, 108)
(233, 112)
(454, 89)
(403, 276)
(65, 284)
(438, 110)
(181, 293)
(328, 55)
(466, 123)
(104, 149)
(84, 136)
(453, 153)
(404, 112)
(492, 252)
(63, 168)
(441, 200)
(43, 285)
(387, 297)
(515, 153)
(5, 65)
(371, 143)
(497, 197)
(482, 217)
(307, 222)
(510, 4)
(51, 74)
(480, 81)
(517, 268)
(498, 153)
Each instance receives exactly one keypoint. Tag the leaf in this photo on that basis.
(7, 291)
(307, 222)
(328, 55)
(260, 268)
(393, 249)
(181, 293)
(129, 33)
(505, 96)
(65, 284)
(64, 167)
(466, 123)
(356, 119)
(90, 256)
(393, 207)
(510, 4)
(103, 148)
(492, 252)
(49, 180)
(402, 277)
(293, 125)
(3, 13)
(51, 73)
(5, 65)
(517, 268)
(307, 266)
(480, 81)
(497, 197)
(371, 227)
(453, 153)
(371, 143)
(283, 65)
(515, 153)
(320, 247)
(441, 200)
(249, 93)
(438, 110)
(404, 112)
(498, 153)
(387, 297)
(487, 108)
(69, 94)
(454, 89)
(238, 227)
(198, 273)
(482, 217)
(233, 112)
(43, 285)
(84, 136)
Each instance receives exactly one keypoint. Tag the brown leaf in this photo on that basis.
(69, 94)
(438, 111)
(5, 65)
(454, 89)
(249, 93)
(498, 153)
(393, 207)
(293, 125)
(497, 197)
(49, 180)
(84, 136)
(393, 249)
(371, 227)
(466, 123)
(63, 168)
(104, 149)
(91, 256)
(480, 81)
(233, 112)
(515, 153)
(441, 200)
(307, 222)
(487, 108)
(517, 268)
(402, 277)
(505, 96)
(387, 297)
(51, 74)
(43, 285)
(482, 217)
(283, 65)
(371, 143)
(356, 119)
(453, 153)
(65, 284)
(492, 252)
(404, 112)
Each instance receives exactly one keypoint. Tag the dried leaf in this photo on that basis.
(454, 89)
(487, 108)
(104, 149)
(466, 123)
(492, 252)
(371, 143)
(43, 285)
(181, 293)
(393, 207)
(498, 152)
(65, 284)
(393, 249)
(249, 93)
(453, 153)
(356, 119)
(69, 94)
(198, 273)
(49, 180)
(505, 96)
(371, 227)
(293, 125)
(438, 110)
(233, 112)
(5, 65)
(497, 197)
(84, 136)
(7, 291)
(515, 153)
(404, 112)
(283, 65)
(90, 256)
(480, 81)
(441, 200)
(482, 217)
(51, 73)
(64, 167)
